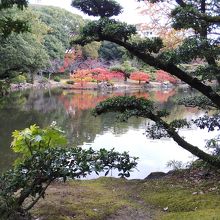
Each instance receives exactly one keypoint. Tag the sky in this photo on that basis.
(129, 15)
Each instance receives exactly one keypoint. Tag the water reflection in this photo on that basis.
(72, 111)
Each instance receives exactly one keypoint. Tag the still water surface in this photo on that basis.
(72, 111)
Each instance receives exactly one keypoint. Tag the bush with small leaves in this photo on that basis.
(44, 160)
(56, 79)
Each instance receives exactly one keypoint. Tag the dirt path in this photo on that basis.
(138, 210)
(131, 213)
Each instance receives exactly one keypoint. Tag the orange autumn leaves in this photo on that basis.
(70, 58)
(82, 76)
(95, 75)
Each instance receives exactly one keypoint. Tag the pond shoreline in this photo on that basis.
(102, 87)
(26, 86)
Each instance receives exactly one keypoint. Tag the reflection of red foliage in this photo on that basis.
(162, 96)
(140, 76)
(141, 95)
(84, 101)
(88, 100)
(162, 76)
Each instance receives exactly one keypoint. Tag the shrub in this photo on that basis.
(45, 160)
(162, 76)
(19, 79)
(140, 76)
(4, 87)
(71, 82)
(56, 79)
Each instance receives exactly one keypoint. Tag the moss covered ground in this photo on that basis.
(177, 196)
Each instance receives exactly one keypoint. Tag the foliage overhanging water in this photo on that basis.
(72, 111)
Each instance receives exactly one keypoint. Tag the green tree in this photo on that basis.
(110, 51)
(91, 50)
(62, 25)
(100, 8)
(10, 24)
(203, 17)
(21, 53)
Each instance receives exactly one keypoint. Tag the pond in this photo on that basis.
(72, 111)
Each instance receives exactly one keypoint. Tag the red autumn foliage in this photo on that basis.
(163, 96)
(100, 74)
(162, 76)
(96, 74)
(117, 75)
(140, 76)
(69, 58)
(104, 75)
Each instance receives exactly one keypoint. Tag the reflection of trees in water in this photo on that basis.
(20, 110)
(42, 100)
(74, 102)
(168, 100)
(82, 125)
(163, 96)
(72, 111)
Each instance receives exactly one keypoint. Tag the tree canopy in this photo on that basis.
(100, 8)
(23, 52)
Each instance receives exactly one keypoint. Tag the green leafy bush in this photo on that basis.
(19, 79)
(43, 160)
(56, 79)
(71, 82)
(4, 87)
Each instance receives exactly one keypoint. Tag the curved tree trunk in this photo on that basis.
(212, 160)
(170, 68)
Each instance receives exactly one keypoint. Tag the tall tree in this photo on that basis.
(91, 50)
(203, 17)
(62, 25)
(23, 52)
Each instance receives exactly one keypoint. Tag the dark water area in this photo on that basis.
(72, 111)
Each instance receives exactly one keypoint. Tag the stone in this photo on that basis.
(155, 175)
